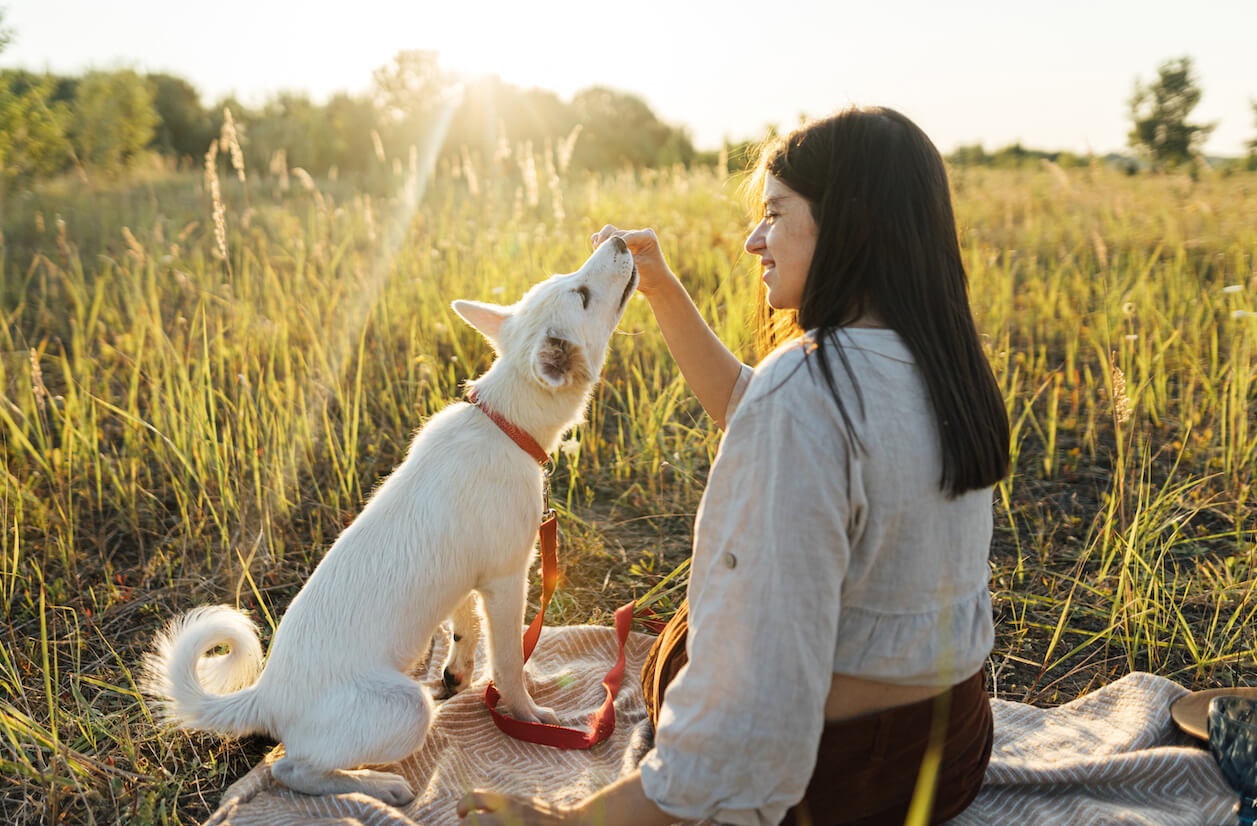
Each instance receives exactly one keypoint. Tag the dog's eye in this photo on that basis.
(458, 638)
(583, 292)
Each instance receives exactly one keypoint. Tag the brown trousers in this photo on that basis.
(866, 768)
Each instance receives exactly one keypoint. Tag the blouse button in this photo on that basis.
(730, 560)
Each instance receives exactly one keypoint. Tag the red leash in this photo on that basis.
(602, 721)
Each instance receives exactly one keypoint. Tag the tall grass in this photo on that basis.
(179, 427)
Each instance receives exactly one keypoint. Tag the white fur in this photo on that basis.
(460, 514)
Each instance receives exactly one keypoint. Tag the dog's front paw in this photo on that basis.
(538, 714)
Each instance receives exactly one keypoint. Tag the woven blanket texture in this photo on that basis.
(1112, 756)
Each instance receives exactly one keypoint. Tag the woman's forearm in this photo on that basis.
(708, 366)
(623, 803)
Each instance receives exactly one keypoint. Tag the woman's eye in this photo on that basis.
(583, 292)
(770, 216)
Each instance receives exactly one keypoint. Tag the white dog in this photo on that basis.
(460, 514)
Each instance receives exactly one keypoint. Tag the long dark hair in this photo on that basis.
(886, 243)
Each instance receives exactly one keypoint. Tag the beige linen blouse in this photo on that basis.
(813, 558)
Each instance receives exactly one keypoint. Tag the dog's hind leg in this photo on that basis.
(382, 718)
(390, 788)
(504, 600)
(460, 665)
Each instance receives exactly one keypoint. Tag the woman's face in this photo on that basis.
(784, 240)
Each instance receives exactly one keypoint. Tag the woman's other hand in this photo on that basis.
(483, 808)
(652, 270)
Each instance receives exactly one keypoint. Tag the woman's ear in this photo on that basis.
(485, 318)
(558, 361)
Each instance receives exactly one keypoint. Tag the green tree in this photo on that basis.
(974, 155)
(183, 129)
(1251, 161)
(411, 85)
(291, 122)
(620, 129)
(347, 133)
(493, 110)
(1159, 112)
(408, 94)
(32, 127)
(114, 119)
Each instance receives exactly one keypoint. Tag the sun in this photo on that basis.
(550, 48)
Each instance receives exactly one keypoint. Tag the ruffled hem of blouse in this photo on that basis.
(939, 647)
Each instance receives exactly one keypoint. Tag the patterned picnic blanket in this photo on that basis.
(1112, 756)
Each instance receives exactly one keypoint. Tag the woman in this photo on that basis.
(838, 615)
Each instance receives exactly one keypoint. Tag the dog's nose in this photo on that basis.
(620, 246)
(449, 679)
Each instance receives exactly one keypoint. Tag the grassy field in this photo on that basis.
(180, 428)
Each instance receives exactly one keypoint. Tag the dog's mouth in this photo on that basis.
(629, 287)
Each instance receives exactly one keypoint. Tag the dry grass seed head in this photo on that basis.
(38, 390)
(133, 245)
(231, 142)
(216, 198)
(1121, 402)
(307, 182)
(379, 146)
(566, 146)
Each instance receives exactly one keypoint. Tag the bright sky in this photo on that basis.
(1054, 75)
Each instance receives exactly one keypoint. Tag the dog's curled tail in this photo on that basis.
(196, 691)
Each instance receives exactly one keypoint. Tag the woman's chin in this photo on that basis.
(778, 302)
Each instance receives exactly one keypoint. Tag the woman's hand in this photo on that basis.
(652, 270)
(711, 370)
(482, 808)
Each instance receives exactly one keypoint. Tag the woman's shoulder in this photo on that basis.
(793, 367)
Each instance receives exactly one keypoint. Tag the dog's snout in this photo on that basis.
(450, 679)
(620, 246)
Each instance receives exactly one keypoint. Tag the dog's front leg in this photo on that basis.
(504, 600)
(460, 665)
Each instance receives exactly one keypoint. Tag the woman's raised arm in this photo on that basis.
(708, 366)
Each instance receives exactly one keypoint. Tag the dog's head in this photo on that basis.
(560, 328)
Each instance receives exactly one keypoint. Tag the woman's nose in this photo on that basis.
(755, 241)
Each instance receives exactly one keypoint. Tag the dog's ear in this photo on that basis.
(559, 361)
(486, 318)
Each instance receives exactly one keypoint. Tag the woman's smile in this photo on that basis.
(784, 240)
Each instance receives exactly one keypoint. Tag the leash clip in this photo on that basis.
(546, 471)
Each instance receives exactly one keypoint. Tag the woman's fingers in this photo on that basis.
(638, 240)
(485, 808)
(603, 234)
(481, 808)
(481, 801)
(641, 241)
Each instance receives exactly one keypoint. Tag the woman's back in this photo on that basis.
(915, 607)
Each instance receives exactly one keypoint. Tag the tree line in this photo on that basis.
(105, 122)
(1162, 134)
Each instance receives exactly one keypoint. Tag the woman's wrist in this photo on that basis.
(668, 293)
(623, 803)
(582, 814)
